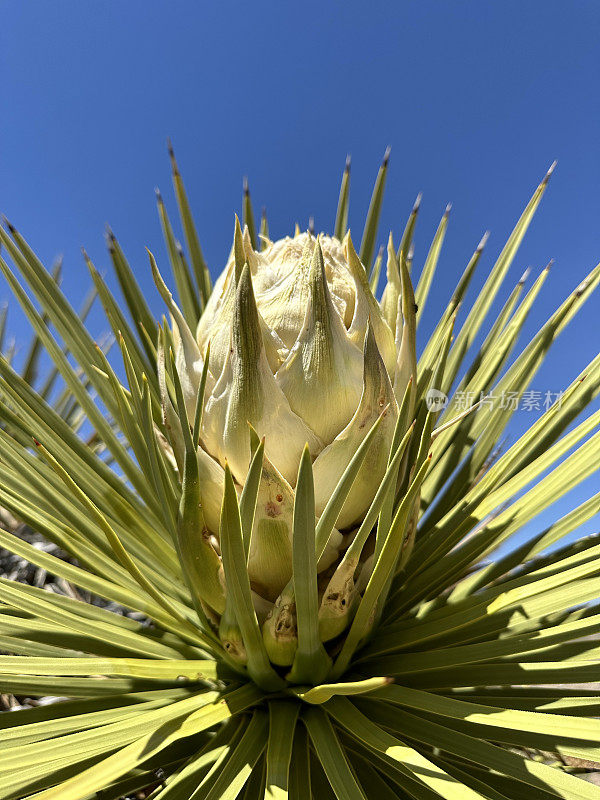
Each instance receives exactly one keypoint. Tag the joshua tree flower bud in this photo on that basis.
(301, 353)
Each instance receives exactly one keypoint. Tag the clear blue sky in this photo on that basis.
(475, 98)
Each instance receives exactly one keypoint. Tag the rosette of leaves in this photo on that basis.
(307, 534)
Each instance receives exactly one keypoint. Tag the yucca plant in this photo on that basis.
(310, 534)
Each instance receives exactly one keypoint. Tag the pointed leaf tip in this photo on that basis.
(171, 151)
(238, 248)
(524, 276)
(548, 175)
(8, 224)
(483, 242)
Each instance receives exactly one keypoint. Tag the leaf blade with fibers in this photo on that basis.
(371, 777)
(211, 756)
(528, 721)
(202, 565)
(341, 217)
(426, 278)
(96, 418)
(311, 661)
(121, 553)
(500, 673)
(92, 713)
(530, 595)
(55, 305)
(395, 773)
(300, 766)
(522, 770)
(331, 755)
(381, 572)
(397, 450)
(479, 381)
(238, 584)
(191, 234)
(39, 758)
(530, 548)
(233, 772)
(101, 481)
(282, 726)
(136, 667)
(160, 472)
(409, 229)
(121, 328)
(188, 298)
(422, 768)
(455, 301)
(37, 686)
(54, 610)
(577, 467)
(486, 297)
(3, 316)
(119, 764)
(367, 245)
(134, 297)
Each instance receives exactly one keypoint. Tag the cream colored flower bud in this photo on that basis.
(301, 351)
